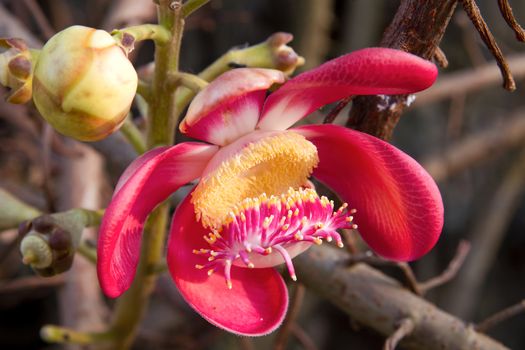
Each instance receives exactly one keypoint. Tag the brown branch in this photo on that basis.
(501, 316)
(40, 18)
(12, 27)
(450, 272)
(378, 302)
(406, 326)
(440, 57)
(24, 284)
(478, 147)
(474, 14)
(330, 117)
(281, 340)
(486, 235)
(417, 27)
(469, 80)
(507, 13)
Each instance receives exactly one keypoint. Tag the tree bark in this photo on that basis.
(379, 302)
(417, 27)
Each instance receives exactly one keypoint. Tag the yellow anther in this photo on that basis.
(349, 219)
(354, 226)
(268, 250)
(318, 241)
(340, 244)
(285, 227)
(251, 266)
(293, 277)
(298, 236)
(210, 272)
(200, 267)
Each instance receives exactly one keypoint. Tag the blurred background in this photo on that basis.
(467, 131)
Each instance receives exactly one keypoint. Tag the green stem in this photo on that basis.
(191, 81)
(133, 135)
(130, 35)
(87, 252)
(162, 119)
(56, 334)
(192, 5)
(163, 115)
(263, 55)
(13, 211)
(144, 90)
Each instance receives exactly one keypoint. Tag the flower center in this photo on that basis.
(269, 164)
(267, 231)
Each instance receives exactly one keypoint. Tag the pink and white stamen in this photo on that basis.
(270, 230)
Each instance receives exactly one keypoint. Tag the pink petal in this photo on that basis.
(256, 304)
(230, 106)
(147, 182)
(399, 207)
(369, 71)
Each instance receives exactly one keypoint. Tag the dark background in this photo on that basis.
(484, 200)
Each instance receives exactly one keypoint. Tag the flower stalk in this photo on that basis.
(161, 127)
(272, 53)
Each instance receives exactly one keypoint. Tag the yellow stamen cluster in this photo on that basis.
(270, 165)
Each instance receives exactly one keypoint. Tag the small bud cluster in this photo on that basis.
(48, 243)
(16, 70)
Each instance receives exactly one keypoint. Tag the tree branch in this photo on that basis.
(378, 302)
(417, 27)
(478, 147)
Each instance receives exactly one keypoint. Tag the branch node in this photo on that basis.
(450, 272)
(405, 328)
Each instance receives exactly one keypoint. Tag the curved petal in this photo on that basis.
(149, 180)
(230, 106)
(369, 71)
(399, 207)
(257, 302)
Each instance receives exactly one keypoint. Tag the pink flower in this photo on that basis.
(252, 208)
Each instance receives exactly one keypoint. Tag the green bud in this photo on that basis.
(16, 70)
(49, 242)
(84, 83)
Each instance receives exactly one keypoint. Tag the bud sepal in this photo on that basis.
(16, 69)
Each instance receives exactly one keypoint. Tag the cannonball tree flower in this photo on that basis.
(252, 208)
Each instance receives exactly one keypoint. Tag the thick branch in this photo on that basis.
(379, 302)
(417, 27)
(478, 147)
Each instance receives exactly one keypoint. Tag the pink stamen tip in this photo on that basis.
(259, 226)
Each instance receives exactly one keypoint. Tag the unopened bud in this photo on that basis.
(84, 83)
(16, 70)
(284, 57)
(49, 242)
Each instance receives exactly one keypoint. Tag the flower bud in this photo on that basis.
(49, 242)
(16, 70)
(84, 83)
